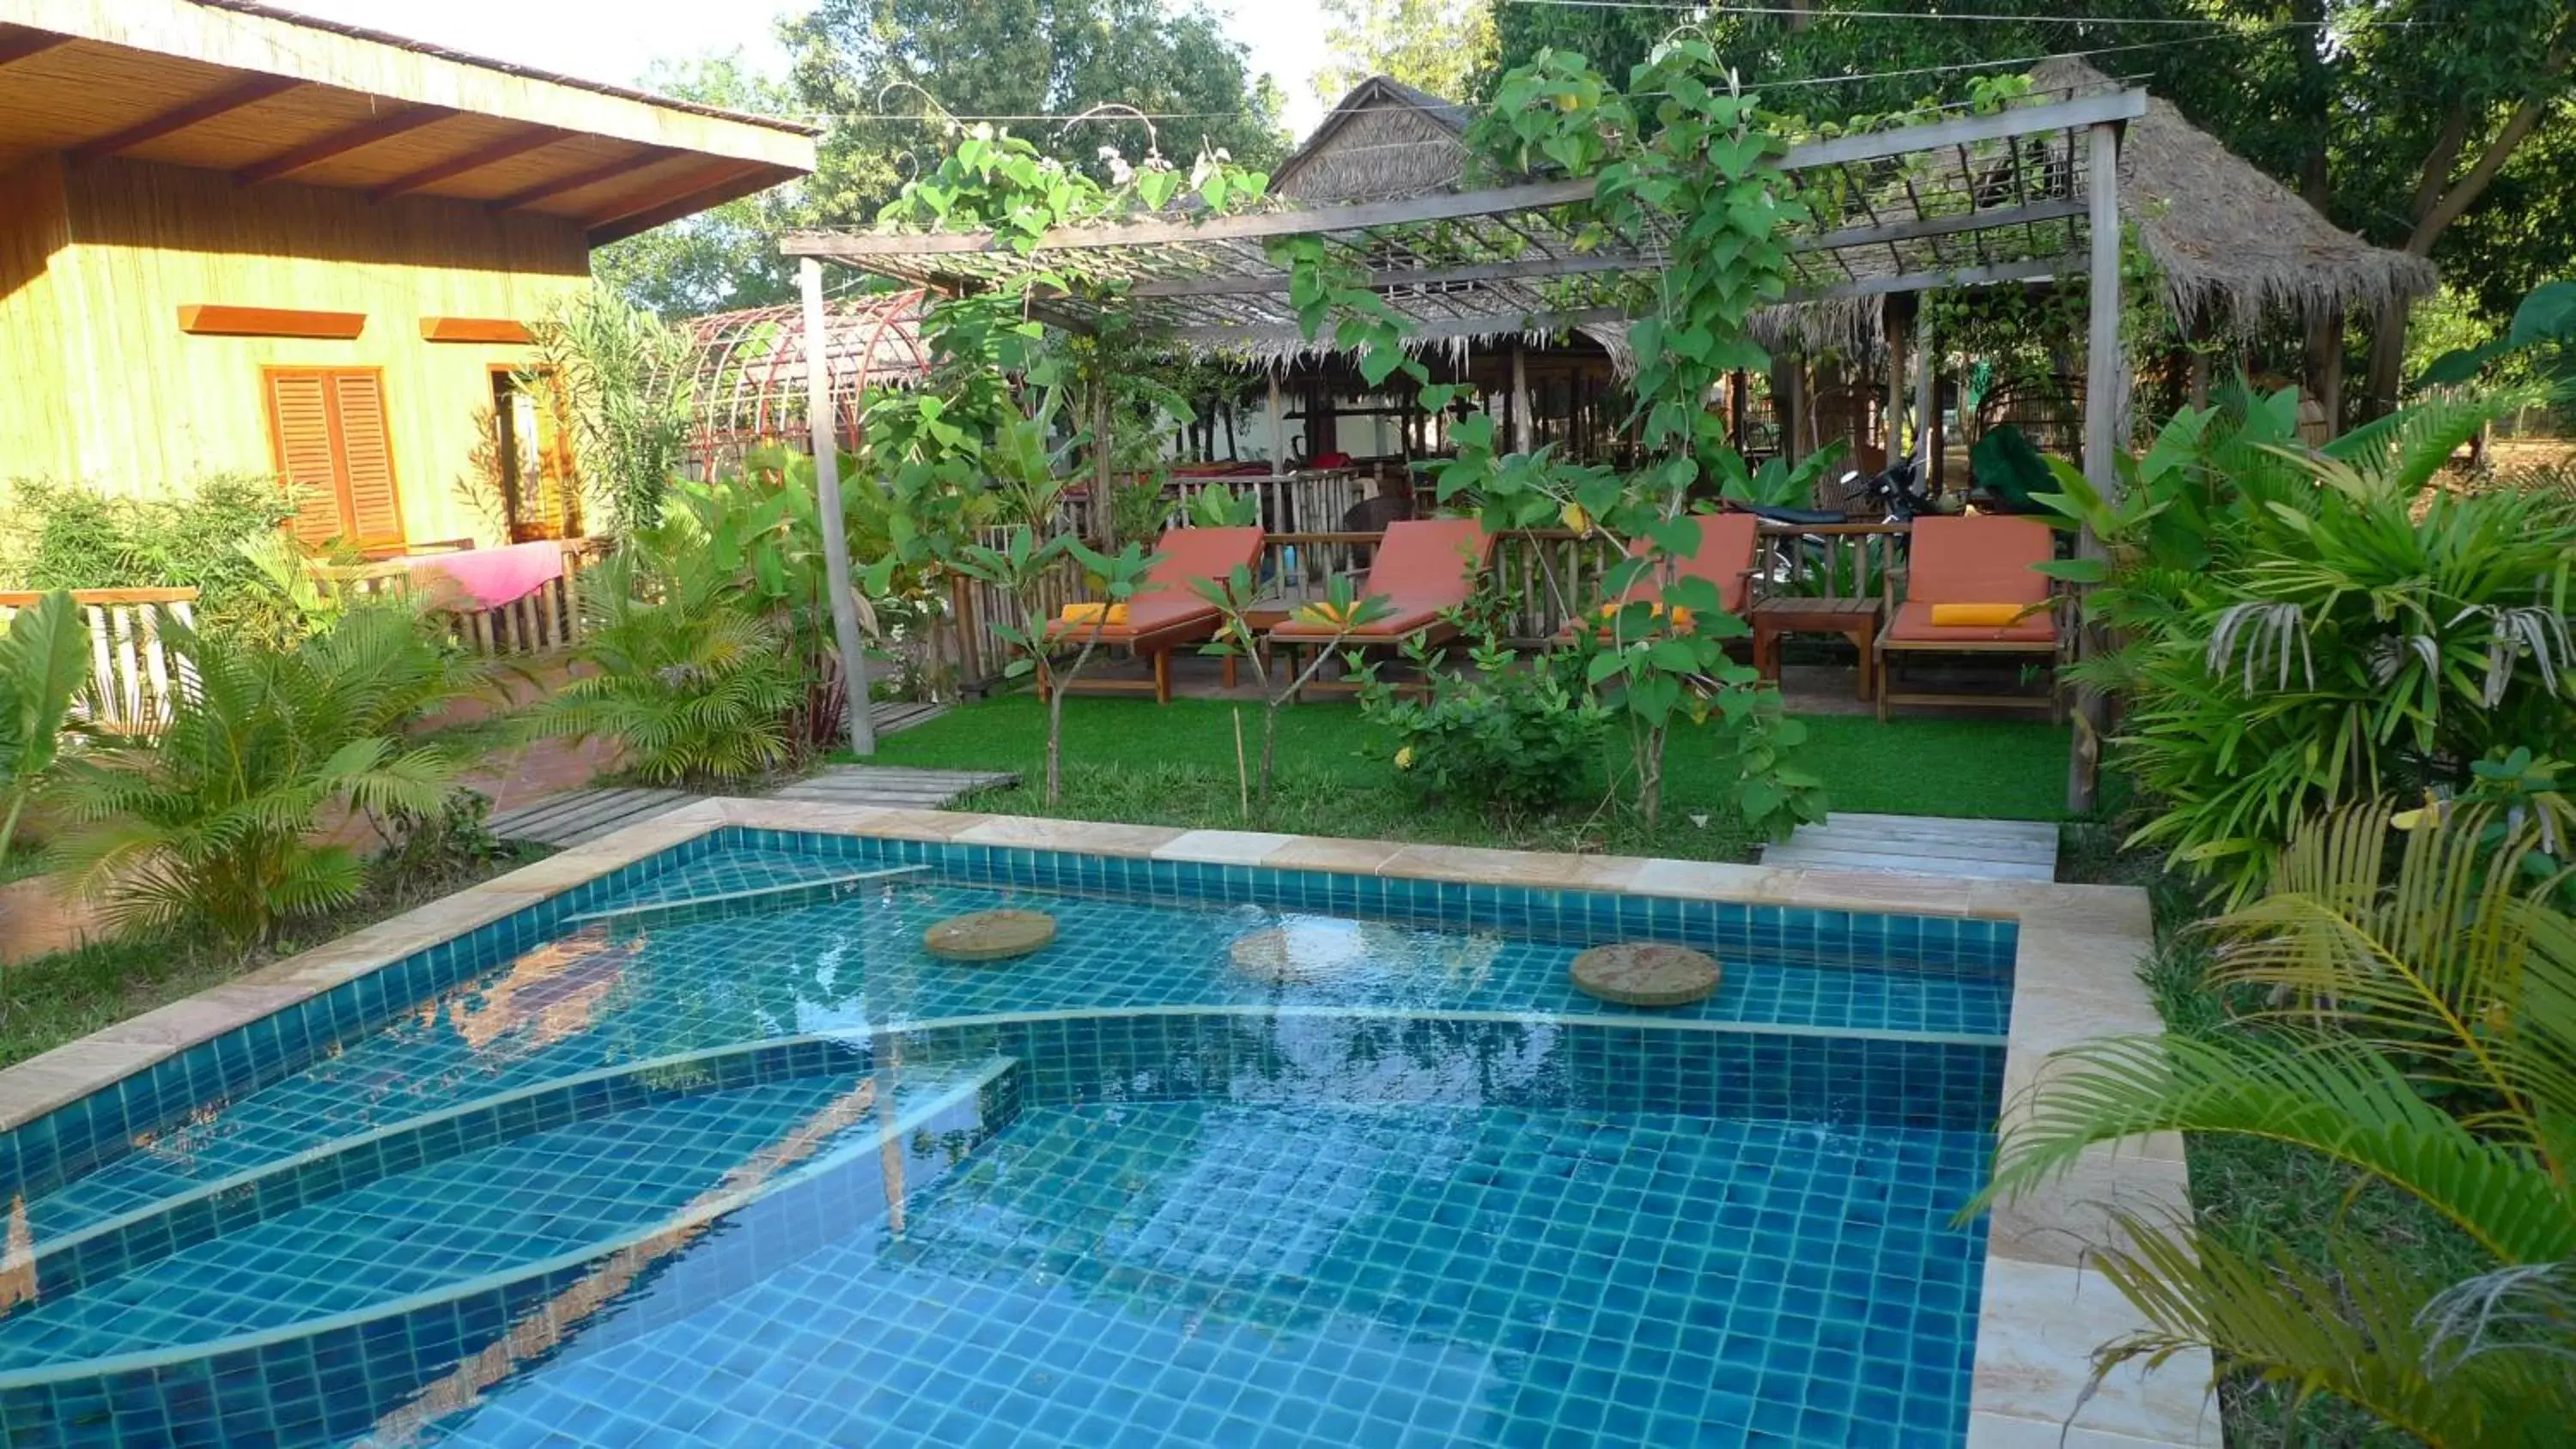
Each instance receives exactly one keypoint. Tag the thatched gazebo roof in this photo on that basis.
(1384, 140)
(2233, 243)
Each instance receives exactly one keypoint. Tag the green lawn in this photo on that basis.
(1131, 759)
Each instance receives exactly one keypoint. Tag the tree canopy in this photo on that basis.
(878, 75)
(1437, 45)
(877, 68)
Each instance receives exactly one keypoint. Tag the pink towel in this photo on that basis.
(491, 577)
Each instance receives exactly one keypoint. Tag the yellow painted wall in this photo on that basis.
(148, 405)
(33, 231)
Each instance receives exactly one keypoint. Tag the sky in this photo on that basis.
(615, 40)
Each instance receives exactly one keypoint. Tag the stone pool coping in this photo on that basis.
(2075, 977)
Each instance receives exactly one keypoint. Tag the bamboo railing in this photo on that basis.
(133, 671)
(541, 622)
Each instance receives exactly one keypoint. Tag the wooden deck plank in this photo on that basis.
(2027, 853)
(1945, 827)
(2020, 850)
(581, 815)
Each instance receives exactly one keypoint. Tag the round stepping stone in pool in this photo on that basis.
(1646, 974)
(989, 935)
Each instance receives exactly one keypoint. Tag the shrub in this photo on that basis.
(2315, 627)
(625, 381)
(690, 680)
(1518, 740)
(223, 818)
(44, 663)
(57, 535)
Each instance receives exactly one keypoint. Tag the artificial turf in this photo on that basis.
(1994, 769)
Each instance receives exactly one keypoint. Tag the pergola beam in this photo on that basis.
(2111, 106)
(1459, 206)
(1443, 330)
(1924, 228)
(2033, 269)
(1254, 225)
(1518, 269)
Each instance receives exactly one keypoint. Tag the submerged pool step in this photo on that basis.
(286, 1248)
(796, 896)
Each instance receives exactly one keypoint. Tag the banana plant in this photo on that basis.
(41, 673)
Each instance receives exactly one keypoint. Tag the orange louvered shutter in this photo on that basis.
(367, 460)
(299, 417)
(334, 454)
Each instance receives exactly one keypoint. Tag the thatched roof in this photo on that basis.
(1385, 139)
(2233, 243)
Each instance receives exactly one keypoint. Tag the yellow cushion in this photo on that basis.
(1681, 618)
(1094, 614)
(1324, 615)
(1979, 616)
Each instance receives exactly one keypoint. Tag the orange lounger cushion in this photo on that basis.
(1914, 624)
(1990, 616)
(1094, 614)
(1979, 560)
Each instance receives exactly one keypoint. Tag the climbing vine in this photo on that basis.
(1702, 181)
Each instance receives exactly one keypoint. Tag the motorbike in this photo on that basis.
(1898, 492)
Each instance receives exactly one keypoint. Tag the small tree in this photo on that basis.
(1236, 636)
(1022, 568)
(623, 379)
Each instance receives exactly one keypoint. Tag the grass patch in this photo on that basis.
(1305, 802)
(1995, 769)
(56, 998)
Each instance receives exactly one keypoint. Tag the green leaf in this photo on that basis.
(2076, 570)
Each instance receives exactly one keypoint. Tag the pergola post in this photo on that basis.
(1893, 328)
(1520, 399)
(1278, 417)
(836, 536)
(1927, 398)
(2102, 409)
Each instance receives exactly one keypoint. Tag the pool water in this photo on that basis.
(714, 1153)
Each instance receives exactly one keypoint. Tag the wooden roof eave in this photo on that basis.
(253, 38)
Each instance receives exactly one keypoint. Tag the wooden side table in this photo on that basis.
(1854, 619)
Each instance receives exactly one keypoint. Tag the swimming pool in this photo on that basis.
(705, 1149)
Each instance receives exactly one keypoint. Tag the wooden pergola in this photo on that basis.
(2024, 194)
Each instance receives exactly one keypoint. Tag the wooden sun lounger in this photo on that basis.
(1976, 560)
(1166, 612)
(1727, 542)
(1424, 569)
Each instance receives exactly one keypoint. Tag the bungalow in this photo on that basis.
(235, 239)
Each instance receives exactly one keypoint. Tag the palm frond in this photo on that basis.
(2349, 1328)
